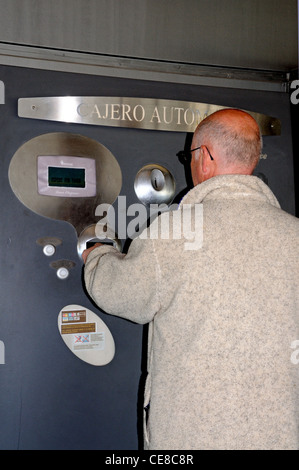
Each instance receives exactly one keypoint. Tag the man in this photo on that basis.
(223, 316)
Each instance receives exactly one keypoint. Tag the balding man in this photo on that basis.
(223, 316)
(236, 138)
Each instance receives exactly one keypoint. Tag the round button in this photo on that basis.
(49, 250)
(62, 273)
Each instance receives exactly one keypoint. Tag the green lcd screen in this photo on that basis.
(66, 177)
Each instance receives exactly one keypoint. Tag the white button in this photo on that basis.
(49, 250)
(62, 273)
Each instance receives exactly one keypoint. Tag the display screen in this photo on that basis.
(66, 177)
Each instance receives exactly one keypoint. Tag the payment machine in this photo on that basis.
(73, 376)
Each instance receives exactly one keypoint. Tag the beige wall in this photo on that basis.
(255, 34)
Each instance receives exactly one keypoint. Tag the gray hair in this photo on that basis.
(241, 149)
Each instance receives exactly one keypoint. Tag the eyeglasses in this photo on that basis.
(186, 155)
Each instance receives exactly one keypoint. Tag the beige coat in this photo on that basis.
(223, 319)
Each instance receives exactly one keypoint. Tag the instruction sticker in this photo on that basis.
(89, 341)
(78, 328)
(73, 316)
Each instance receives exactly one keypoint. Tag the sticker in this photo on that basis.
(86, 335)
(73, 316)
(78, 328)
(89, 341)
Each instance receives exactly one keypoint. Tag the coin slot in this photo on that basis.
(154, 184)
(157, 179)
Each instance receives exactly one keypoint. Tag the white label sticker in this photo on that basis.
(88, 341)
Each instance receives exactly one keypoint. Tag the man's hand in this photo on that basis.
(88, 250)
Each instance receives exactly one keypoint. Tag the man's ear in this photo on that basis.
(204, 161)
(196, 168)
(207, 165)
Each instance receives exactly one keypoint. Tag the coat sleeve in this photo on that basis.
(125, 285)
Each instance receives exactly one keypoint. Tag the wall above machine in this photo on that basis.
(255, 34)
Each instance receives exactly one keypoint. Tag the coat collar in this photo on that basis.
(231, 187)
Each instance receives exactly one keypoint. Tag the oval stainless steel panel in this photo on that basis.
(79, 211)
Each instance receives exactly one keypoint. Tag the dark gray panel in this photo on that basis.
(49, 399)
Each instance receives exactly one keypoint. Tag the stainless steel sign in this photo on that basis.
(140, 113)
